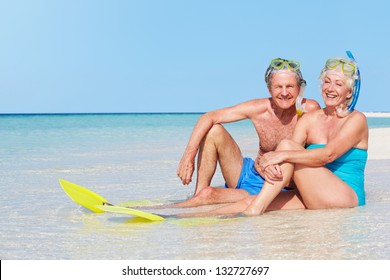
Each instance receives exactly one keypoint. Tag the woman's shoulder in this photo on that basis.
(358, 119)
(358, 114)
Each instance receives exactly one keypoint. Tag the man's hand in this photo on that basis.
(186, 169)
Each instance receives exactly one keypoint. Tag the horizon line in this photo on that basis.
(369, 113)
(104, 113)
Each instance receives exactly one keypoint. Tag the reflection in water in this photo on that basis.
(320, 234)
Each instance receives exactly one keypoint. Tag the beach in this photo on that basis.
(127, 158)
(378, 143)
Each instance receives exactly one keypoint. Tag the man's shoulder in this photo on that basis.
(260, 100)
(312, 105)
(256, 103)
(259, 105)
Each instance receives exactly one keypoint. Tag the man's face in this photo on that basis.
(284, 89)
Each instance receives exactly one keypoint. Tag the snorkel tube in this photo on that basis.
(299, 105)
(356, 91)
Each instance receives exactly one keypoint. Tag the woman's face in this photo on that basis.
(335, 89)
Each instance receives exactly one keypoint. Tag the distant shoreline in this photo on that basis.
(107, 113)
(367, 114)
(377, 114)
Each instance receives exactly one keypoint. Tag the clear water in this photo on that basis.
(127, 157)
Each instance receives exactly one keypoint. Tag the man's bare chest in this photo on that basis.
(271, 133)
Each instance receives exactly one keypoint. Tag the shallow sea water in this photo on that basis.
(134, 157)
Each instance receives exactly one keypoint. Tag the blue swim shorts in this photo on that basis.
(249, 180)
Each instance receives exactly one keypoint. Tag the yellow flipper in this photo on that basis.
(130, 211)
(83, 196)
(95, 202)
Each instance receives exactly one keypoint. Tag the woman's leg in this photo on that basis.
(321, 189)
(318, 187)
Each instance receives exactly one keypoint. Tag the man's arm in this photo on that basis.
(205, 123)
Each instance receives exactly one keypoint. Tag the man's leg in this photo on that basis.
(270, 198)
(217, 146)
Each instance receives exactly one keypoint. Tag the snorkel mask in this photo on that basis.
(280, 64)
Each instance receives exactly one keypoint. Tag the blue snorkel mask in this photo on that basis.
(356, 91)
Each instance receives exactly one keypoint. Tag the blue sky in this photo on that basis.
(179, 56)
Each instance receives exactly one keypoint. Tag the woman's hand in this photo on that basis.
(273, 173)
(270, 173)
(271, 158)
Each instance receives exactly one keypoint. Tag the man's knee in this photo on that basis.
(216, 131)
(206, 192)
(215, 136)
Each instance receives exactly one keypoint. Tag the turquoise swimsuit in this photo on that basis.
(350, 168)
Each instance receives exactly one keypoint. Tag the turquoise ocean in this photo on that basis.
(133, 157)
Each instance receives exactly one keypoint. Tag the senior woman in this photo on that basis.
(326, 157)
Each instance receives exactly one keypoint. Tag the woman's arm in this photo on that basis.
(351, 134)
